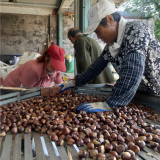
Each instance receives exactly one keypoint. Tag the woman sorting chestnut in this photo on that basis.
(40, 72)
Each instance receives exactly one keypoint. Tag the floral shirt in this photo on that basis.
(137, 63)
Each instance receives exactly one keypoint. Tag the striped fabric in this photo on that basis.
(137, 63)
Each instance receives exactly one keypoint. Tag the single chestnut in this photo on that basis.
(126, 156)
(93, 153)
(158, 148)
(54, 137)
(132, 153)
(100, 156)
(82, 153)
(14, 130)
(135, 149)
(149, 138)
(70, 141)
(153, 144)
(108, 147)
(90, 145)
(113, 153)
(120, 148)
(79, 142)
(101, 149)
(60, 142)
(141, 144)
(130, 138)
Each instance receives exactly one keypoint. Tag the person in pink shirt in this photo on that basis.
(40, 72)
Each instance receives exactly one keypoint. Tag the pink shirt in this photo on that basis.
(32, 74)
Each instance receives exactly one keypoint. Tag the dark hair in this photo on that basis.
(44, 58)
(116, 16)
(73, 32)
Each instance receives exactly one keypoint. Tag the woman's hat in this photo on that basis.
(57, 57)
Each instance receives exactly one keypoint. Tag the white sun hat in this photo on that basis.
(97, 12)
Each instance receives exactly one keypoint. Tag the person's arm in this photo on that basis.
(130, 77)
(95, 69)
(83, 55)
(58, 79)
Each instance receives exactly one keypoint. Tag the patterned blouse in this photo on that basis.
(137, 63)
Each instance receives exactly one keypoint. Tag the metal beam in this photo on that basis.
(29, 4)
(61, 5)
(76, 13)
(83, 14)
(65, 4)
(60, 29)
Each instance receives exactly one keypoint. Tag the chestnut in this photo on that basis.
(114, 144)
(130, 138)
(79, 142)
(54, 137)
(70, 141)
(149, 138)
(101, 149)
(120, 138)
(93, 127)
(60, 142)
(87, 140)
(141, 144)
(108, 147)
(153, 144)
(21, 129)
(14, 130)
(158, 148)
(93, 153)
(135, 149)
(120, 148)
(113, 153)
(132, 154)
(126, 156)
(143, 138)
(114, 136)
(96, 143)
(82, 153)
(3, 134)
(154, 137)
(100, 156)
(112, 158)
(90, 146)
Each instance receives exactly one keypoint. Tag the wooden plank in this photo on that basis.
(6, 147)
(12, 146)
(17, 148)
(72, 154)
(50, 149)
(146, 156)
(152, 122)
(152, 152)
(138, 158)
(27, 147)
(0, 145)
(62, 153)
(38, 145)
(56, 150)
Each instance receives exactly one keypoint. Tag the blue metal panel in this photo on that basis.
(83, 14)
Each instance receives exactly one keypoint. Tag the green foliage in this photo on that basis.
(151, 9)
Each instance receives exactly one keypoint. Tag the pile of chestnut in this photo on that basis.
(121, 133)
